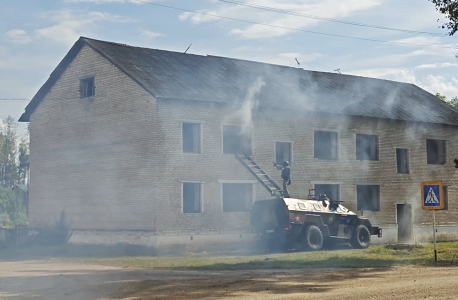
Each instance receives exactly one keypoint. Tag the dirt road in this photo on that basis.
(66, 280)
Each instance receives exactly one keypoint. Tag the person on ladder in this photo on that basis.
(286, 176)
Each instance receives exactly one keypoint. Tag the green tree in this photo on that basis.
(8, 156)
(449, 8)
(11, 204)
(453, 101)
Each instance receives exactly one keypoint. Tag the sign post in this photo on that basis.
(432, 198)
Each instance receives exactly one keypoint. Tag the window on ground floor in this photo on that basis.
(368, 197)
(330, 190)
(192, 197)
(237, 197)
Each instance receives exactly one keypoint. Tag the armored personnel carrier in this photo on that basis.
(311, 224)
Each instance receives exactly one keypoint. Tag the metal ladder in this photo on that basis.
(260, 175)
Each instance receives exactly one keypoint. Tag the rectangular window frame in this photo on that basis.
(234, 125)
(199, 151)
(280, 164)
(337, 138)
(201, 210)
(398, 151)
(378, 202)
(338, 185)
(87, 87)
(360, 155)
(253, 194)
(441, 157)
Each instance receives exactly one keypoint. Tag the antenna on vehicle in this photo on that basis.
(188, 48)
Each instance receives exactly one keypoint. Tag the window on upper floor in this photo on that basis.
(191, 137)
(332, 191)
(435, 152)
(237, 139)
(87, 87)
(283, 152)
(237, 197)
(325, 145)
(366, 147)
(192, 197)
(368, 197)
(402, 160)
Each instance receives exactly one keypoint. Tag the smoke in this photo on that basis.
(244, 115)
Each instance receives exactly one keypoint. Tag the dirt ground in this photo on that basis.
(63, 279)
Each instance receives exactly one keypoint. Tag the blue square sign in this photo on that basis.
(432, 195)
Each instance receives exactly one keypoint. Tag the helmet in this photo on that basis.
(285, 163)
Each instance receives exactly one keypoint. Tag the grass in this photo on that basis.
(375, 256)
(134, 257)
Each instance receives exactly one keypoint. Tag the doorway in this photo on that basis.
(404, 218)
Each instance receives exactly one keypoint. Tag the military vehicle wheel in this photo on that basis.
(313, 239)
(361, 237)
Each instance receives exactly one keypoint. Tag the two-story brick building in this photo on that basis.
(136, 145)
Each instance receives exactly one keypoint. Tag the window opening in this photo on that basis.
(236, 140)
(87, 87)
(402, 160)
(367, 147)
(237, 197)
(368, 197)
(325, 145)
(435, 152)
(191, 137)
(330, 190)
(192, 197)
(283, 152)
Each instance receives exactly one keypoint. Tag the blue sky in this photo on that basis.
(36, 35)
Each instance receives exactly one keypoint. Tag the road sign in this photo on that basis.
(432, 195)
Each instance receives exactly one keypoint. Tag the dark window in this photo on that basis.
(402, 160)
(325, 145)
(191, 197)
(330, 190)
(366, 147)
(445, 191)
(282, 153)
(368, 197)
(435, 152)
(236, 140)
(191, 137)
(87, 87)
(237, 197)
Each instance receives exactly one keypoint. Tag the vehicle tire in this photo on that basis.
(313, 239)
(361, 237)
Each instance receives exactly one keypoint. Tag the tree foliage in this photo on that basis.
(449, 8)
(14, 157)
(453, 101)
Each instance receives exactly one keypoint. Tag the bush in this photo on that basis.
(56, 234)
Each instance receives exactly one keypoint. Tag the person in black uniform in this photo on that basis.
(286, 176)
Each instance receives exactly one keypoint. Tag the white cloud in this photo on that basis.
(435, 66)
(150, 34)
(435, 84)
(102, 1)
(70, 25)
(325, 8)
(19, 36)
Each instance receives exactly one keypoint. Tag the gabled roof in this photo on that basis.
(173, 75)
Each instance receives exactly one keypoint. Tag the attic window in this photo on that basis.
(87, 87)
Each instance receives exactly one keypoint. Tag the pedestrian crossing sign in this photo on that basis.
(432, 195)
